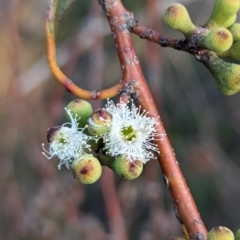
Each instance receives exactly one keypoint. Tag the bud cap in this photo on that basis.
(81, 110)
(87, 169)
(99, 123)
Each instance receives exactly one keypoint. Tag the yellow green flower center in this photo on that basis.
(129, 133)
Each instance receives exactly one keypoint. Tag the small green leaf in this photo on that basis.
(60, 7)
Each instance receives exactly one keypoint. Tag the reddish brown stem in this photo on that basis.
(155, 37)
(121, 21)
(114, 212)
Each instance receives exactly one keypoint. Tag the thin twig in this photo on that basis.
(61, 77)
(155, 37)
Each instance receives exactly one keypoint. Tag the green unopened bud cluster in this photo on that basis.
(117, 136)
(220, 36)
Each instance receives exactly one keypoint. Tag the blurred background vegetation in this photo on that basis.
(39, 202)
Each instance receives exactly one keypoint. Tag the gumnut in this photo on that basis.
(87, 169)
(99, 123)
(127, 170)
(176, 16)
(81, 110)
(220, 233)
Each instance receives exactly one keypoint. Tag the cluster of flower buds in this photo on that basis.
(220, 36)
(118, 136)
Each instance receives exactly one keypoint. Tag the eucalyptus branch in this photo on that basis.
(121, 21)
(93, 139)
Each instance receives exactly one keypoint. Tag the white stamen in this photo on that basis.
(69, 143)
(139, 146)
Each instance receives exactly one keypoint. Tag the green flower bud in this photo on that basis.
(230, 21)
(237, 235)
(81, 110)
(223, 11)
(218, 40)
(127, 170)
(220, 233)
(99, 122)
(234, 51)
(235, 31)
(87, 169)
(226, 75)
(176, 16)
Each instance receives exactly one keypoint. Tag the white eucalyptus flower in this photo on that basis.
(68, 142)
(131, 133)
